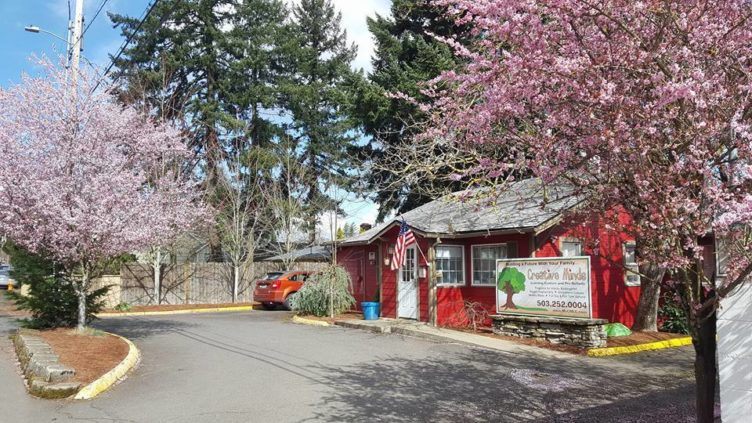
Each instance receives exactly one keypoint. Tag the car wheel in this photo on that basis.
(287, 304)
(269, 306)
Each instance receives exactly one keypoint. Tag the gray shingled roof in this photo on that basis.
(313, 253)
(521, 206)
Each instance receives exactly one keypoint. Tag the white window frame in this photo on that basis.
(627, 271)
(472, 263)
(439, 281)
(717, 247)
(571, 240)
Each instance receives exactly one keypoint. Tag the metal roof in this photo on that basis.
(522, 206)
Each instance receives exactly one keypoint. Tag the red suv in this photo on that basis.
(276, 288)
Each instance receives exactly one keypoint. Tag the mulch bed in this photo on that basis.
(91, 355)
(174, 307)
(642, 338)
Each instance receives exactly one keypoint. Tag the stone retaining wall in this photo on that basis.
(45, 376)
(585, 333)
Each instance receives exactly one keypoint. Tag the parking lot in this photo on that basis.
(257, 366)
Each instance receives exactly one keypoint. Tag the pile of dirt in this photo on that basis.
(91, 354)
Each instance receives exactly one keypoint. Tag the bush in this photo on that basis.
(329, 288)
(51, 300)
(672, 315)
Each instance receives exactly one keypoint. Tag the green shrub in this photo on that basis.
(327, 289)
(672, 315)
(51, 299)
(123, 307)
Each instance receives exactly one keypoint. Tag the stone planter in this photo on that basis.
(584, 333)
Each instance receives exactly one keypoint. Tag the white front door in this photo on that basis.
(407, 286)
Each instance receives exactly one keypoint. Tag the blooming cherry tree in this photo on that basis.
(643, 105)
(85, 179)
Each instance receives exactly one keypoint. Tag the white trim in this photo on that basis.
(464, 280)
(628, 272)
(720, 273)
(472, 263)
(571, 240)
(417, 286)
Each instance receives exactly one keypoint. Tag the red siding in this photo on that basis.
(451, 299)
(612, 299)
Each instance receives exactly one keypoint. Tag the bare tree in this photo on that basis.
(285, 199)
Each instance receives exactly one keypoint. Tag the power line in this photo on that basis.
(101, 6)
(127, 41)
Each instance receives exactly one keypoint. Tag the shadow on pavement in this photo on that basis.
(135, 328)
(482, 385)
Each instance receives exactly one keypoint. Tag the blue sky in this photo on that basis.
(17, 46)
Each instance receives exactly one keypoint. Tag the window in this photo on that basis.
(571, 247)
(631, 273)
(484, 262)
(450, 261)
(721, 257)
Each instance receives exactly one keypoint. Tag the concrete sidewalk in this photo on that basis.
(424, 331)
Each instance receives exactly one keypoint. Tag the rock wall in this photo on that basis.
(585, 333)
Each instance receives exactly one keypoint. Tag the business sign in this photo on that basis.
(556, 286)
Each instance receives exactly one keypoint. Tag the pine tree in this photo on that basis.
(214, 65)
(406, 56)
(320, 97)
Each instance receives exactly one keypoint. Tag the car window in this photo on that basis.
(273, 275)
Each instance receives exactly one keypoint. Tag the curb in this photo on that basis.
(171, 312)
(369, 328)
(312, 322)
(116, 374)
(631, 349)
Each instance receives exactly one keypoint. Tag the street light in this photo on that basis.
(36, 30)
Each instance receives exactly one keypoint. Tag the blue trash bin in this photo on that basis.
(370, 310)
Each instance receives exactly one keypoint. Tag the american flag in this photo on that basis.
(404, 240)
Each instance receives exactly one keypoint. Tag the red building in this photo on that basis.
(462, 240)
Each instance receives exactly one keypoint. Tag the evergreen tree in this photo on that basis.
(320, 97)
(214, 65)
(406, 56)
(258, 46)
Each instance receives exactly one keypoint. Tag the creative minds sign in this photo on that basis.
(558, 286)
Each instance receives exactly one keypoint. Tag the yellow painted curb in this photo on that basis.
(304, 321)
(113, 376)
(169, 312)
(630, 349)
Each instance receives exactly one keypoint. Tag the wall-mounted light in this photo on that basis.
(422, 272)
(386, 261)
(372, 256)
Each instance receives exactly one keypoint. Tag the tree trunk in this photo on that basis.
(81, 289)
(235, 283)
(646, 319)
(510, 292)
(705, 344)
(158, 276)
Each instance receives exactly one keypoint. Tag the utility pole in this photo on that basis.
(76, 39)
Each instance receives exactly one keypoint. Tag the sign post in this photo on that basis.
(555, 286)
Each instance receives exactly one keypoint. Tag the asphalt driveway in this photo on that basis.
(257, 366)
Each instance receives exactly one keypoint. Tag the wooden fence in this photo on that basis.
(190, 283)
